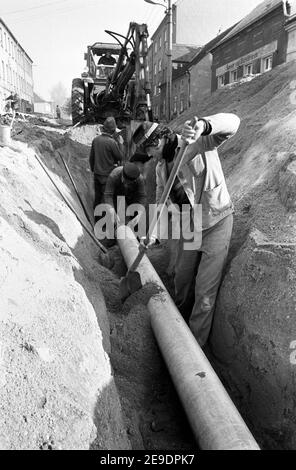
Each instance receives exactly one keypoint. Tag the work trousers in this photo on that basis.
(198, 276)
(99, 187)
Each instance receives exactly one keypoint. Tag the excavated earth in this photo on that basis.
(81, 370)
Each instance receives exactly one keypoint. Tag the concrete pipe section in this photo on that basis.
(215, 421)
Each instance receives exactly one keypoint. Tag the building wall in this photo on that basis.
(180, 94)
(266, 37)
(16, 73)
(43, 107)
(291, 40)
(157, 60)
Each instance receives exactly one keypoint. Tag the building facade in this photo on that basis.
(197, 75)
(158, 63)
(181, 80)
(16, 71)
(158, 59)
(254, 46)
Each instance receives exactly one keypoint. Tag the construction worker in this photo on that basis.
(198, 272)
(125, 186)
(12, 102)
(107, 59)
(106, 153)
(58, 112)
(141, 159)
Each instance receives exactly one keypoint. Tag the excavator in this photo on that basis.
(115, 81)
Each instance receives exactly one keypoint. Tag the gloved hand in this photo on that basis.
(192, 134)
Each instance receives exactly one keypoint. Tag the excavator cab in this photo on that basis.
(115, 81)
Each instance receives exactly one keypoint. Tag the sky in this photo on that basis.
(56, 33)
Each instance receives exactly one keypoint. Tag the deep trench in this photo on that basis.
(152, 411)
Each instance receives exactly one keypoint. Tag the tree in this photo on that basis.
(67, 106)
(58, 93)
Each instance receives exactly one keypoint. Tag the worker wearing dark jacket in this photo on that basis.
(125, 184)
(105, 154)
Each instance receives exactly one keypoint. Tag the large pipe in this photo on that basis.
(215, 421)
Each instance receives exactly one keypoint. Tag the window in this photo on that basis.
(181, 105)
(5, 41)
(248, 69)
(221, 81)
(159, 65)
(165, 35)
(1, 37)
(155, 69)
(267, 63)
(233, 76)
(175, 104)
(155, 47)
(159, 42)
(3, 70)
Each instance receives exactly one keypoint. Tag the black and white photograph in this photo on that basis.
(148, 228)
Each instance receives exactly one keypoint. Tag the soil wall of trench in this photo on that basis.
(58, 388)
(254, 331)
(79, 369)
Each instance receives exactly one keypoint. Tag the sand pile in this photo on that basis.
(256, 316)
(57, 387)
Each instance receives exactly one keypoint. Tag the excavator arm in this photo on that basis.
(129, 83)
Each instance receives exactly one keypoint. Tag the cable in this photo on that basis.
(59, 12)
(33, 8)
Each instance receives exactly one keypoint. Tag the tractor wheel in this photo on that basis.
(77, 100)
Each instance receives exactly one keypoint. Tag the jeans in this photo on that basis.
(99, 187)
(198, 275)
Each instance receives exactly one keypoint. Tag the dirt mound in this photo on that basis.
(84, 134)
(63, 324)
(127, 400)
(57, 387)
(255, 318)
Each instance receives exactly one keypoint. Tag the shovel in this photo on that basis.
(76, 190)
(105, 258)
(131, 283)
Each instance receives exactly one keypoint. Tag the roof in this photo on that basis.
(13, 36)
(103, 47)
(210, 45)
(259, 12)
(187, 57)
(184, 52)
(200, 53)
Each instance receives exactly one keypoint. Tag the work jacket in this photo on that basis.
(104, 155)
(136, 194)
(201, 173)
